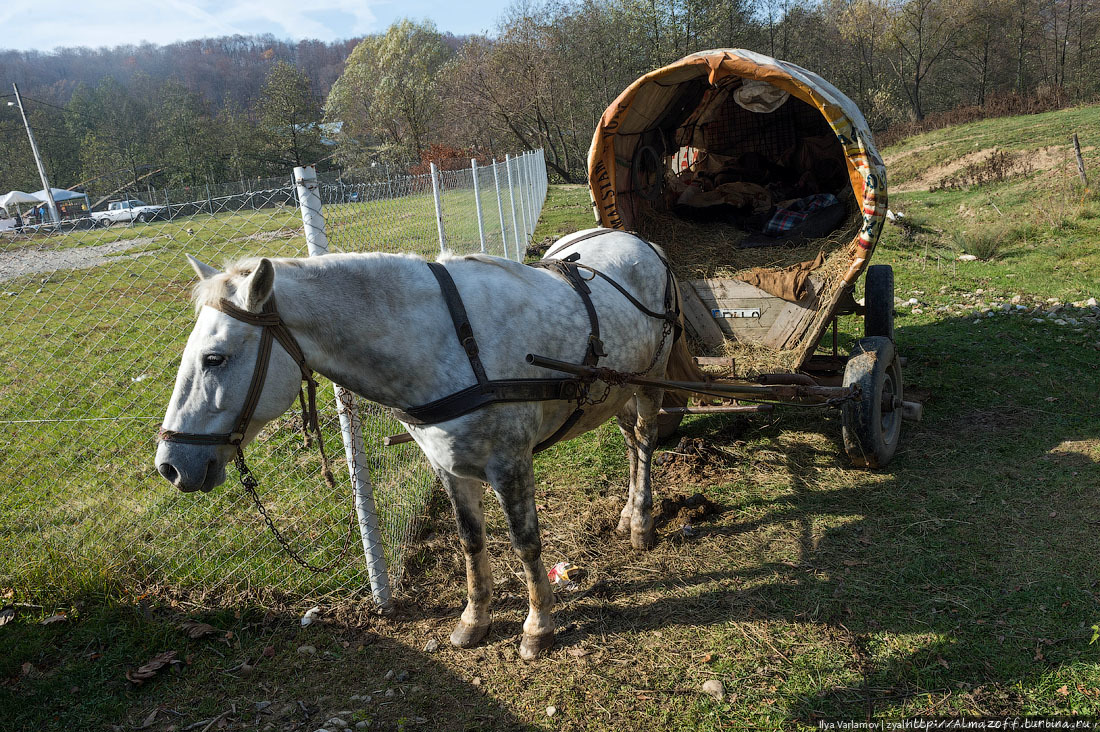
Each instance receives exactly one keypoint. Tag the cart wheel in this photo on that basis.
(667, 424)
(872, 423)
(878, 299)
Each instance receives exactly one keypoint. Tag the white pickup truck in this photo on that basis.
(132, 210)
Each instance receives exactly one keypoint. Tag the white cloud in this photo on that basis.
(97, 23)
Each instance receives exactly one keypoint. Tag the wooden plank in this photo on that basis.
(730, 290)
(698, 318)
(791, 323)
(733, 295)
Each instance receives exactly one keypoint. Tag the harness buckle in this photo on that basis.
(595, 347)
(236, 438)
(470, 346)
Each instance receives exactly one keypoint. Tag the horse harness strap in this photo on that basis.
(272, 328)
(491, 391)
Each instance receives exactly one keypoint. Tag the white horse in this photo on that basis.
(378, 325)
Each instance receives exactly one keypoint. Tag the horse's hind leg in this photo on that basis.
(640, 501)
(465, 497)
(513, 479)
(627, 418)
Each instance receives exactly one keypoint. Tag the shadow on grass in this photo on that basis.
(963, 577)
(72, 675)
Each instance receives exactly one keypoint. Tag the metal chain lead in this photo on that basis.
(249, 483)
(620, 379)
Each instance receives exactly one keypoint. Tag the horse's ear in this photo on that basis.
(204, 271)
(256, 289)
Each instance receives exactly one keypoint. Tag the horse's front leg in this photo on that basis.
(465, 495)
(513, 479)
(642, 535)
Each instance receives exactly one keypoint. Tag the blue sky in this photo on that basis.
(98, 23)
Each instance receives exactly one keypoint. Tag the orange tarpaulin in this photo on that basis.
(641, 107)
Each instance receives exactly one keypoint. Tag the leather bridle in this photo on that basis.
(273, 329)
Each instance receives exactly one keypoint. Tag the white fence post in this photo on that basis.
(512, 198)
(523, 203)
(531, 193)
(535, 185)
(305, 180)
(477, 205)
(438, 209)
(500, 208)
(525, 200)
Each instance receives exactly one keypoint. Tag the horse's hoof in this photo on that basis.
(533, 646)
(467, 636)
(624, 526)
(643, 540)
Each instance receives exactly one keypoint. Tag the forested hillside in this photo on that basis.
(240, 107)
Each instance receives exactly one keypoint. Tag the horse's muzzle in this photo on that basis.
(190, 472)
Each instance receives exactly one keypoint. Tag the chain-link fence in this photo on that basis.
(92, 323)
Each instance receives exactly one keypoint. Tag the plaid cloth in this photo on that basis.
(798, 211)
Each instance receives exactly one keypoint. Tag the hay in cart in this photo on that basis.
(761, 182)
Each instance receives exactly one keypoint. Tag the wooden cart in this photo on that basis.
(732, 162)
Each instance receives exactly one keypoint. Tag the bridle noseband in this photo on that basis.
(273, 328)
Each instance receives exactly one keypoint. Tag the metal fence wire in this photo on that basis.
(92, 324)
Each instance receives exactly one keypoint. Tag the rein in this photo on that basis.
(272, 328)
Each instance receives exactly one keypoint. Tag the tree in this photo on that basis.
(922, 33)
(116, 128)
(290, 118)
(185, 135)
(388, 95)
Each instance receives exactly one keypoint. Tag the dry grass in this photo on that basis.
(751, 359)
(710, 249)
(703, 250)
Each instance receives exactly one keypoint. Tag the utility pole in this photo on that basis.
(54, 216)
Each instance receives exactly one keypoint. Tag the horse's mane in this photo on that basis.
(505, 264)
(223, 285)
(217, 287)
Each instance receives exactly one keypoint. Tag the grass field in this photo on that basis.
(89, 357)
(963, 579)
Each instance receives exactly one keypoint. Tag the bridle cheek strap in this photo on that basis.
(272, 328)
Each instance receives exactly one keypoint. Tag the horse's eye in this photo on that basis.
(213, 359)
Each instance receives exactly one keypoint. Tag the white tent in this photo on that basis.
(59, 194)
(11, 201)
(18, 197)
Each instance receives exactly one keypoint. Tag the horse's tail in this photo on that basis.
(681, 365)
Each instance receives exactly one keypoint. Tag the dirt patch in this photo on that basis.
(696, 459)
(681, 513)
(1045, 158)
(39, 260)
(935, 174)
(266, 236)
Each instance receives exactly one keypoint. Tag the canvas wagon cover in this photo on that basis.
(643, 105)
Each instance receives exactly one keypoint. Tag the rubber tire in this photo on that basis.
(141, 218)
(667, 424)
(105, 223)
(870, 435)
(878, 301)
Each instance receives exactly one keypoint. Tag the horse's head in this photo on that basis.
(215, 374)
